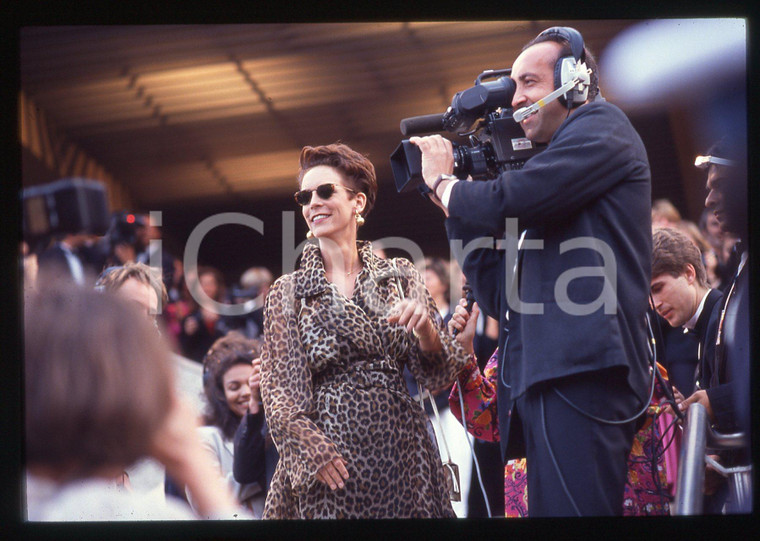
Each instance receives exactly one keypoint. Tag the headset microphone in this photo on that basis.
(581, 78)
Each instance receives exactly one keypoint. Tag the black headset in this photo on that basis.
(565, 64)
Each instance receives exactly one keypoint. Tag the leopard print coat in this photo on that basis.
(332, 386)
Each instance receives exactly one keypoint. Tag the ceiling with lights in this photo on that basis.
(186, 113)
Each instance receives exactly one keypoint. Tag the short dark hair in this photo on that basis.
(98, 382)
(734, 149)
(672, 251)
(734, 186)
(729, 148)
(566, 50)
(354, 166)
(229, 350)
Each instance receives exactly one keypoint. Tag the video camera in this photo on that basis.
(123, 228)
(497, 142)
(66, 206)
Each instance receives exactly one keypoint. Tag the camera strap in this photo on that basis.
(450, 470)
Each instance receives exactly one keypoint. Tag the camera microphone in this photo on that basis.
(470, 296)
(422, 124)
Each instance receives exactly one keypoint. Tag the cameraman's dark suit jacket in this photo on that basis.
(592, 181)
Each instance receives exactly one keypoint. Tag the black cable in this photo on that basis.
(554, 460)
(670, 396)
(667, 386)
(672, 437)
(655, 472)
(655, 373)
(472, 450)
(655, 457)
(660, 439)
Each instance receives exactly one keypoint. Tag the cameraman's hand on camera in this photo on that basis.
(464, 323)
(437, 159)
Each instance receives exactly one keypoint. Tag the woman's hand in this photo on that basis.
(668, 407)
(177, 435)
(333, 473)
(254, 382)
(413, 316)
(464, 323)
(178, 447)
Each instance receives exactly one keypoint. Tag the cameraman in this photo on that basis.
(568, 365)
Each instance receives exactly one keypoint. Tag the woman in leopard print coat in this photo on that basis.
(338, 333)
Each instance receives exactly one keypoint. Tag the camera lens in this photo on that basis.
(477, 161)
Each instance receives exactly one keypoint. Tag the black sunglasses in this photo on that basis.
(324, 191)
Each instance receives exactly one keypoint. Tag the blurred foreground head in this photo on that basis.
(98, 383)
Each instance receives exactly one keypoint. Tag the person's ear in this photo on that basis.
(361, 202)
(690, 273)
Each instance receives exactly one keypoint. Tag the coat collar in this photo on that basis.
(700, 328)
(310, 278)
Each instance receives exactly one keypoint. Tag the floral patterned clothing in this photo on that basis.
(647, 491)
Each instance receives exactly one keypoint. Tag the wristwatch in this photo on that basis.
(440, 179)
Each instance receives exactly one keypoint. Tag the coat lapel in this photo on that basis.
(355, 321)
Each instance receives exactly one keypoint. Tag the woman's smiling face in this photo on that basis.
(335, 216)
(236, 389)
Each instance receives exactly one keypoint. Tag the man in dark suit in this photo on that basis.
(682, 297)
(727, 397)
(61, 261)
(573, 354)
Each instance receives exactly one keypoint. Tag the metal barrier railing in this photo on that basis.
(697, 438)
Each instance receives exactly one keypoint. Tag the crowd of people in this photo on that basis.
(350, 392)
(190, 327)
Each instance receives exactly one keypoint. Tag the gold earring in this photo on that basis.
(309, 234)
(359, 219)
